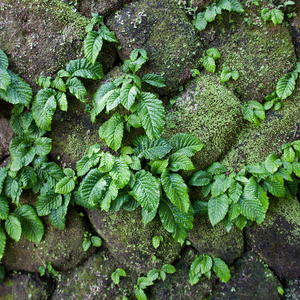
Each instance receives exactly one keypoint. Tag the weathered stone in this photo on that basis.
(24, 287)
(216, 240)
(209, 111)
(40, 37)
(277, 239)
(251, 279)
(256, 143)
(92, 280)
(262, 53)
(177, 286)
(63, 248)
(292, 290)
(130, 242)
(164, 31)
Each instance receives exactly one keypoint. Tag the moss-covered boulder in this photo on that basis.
(277, 239)
(209, 111)
(292, 290)
(251, 279)
(92, 280)
(165, 32)
(177, 286)
(256, 143)
(216, 240)
(24, 287)
(63, 248)
(130, 242)
(40, 37)
(260, 52)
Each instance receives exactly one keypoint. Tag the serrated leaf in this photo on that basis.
(128, 95)
(28, 177)
(176, 190)
(154, 80)
(210, 13)
(58, 217)
(214, 53)
(153, 150)
(83, 165)
(92, 46)
(96, 241)
(92, 187)
(4, 79)
(115, 277)
(18, 92)
(201, 178)
(65, 185)
(113, 99)
(43, 108)
(13, 189)
(217, 208)
(32, 226)
(13, 227)
(285, 86)
(3, 60)
(296, 145)
(289, 154)
(107, 162)
(251, 207)
(221, 269)
(152, 115)
(296, 168)
(58, 84)
(235, 191)
(140, 294)
(85, 69)
(120, 173)
(3, 174)
(272, 163)
(144, 282)
(112, 131)
(77, 89)
(43, 146)
(185, 144)
(225, 4)
(236, 6)
(253, 111)
(174, 220)
(86, 244)
(107, 35)
(3, 243)
(153, 274)
(209, 64)
(216, 168)
(146, 191)
(277, 16)
(4, 208)
(179, 161)
(158, 166)
(47, 201)
(169, 269)
(200, 22)
(225, 75)
(274, 187)
(62, 101)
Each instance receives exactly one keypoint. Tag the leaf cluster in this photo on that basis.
(275, 15)
(241, 198)
(209, 61)
(213, 10)
(89, 240)
(205, 264)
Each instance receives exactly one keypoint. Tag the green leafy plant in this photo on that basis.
(227, 74)
(115, 276)
(204, 265)
(213, 10)
(93, 42)
(144, 282)
(156, 240)
(47, 270)
(146, 110)
(209, 62)
(89, 240)
(254, 112)
(275, 15)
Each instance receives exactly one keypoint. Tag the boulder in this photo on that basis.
(216, 240)
(210, 112)
(277, 239)
(165, 32)
(130, 242)
(92, 280)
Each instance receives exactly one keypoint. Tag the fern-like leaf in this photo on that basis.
(152, 114)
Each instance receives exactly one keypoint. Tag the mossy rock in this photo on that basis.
(261, 52)
(63, 248)
(210, 112)
(277, 239)
(165, 32)
(256, 143)
(92, 280)
(24, 287)
(177, 286)
(6, 133)
(130, 242)
(216, 240)
(40, 37)
(292, 290)
(251, 279)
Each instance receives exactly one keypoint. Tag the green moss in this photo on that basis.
(209, 111)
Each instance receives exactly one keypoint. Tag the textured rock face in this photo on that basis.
(24, 287)
(209, 111)
(176, 286)
(165, 32)
(130, 242)
(63, 248)
(251, 278)
(277, 239)
(216, 240)
(92, 280)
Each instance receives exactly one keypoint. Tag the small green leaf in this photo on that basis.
(4, 79)
(169, 269)
(272, 163)
(253, 111)
(13, 227)
(216, 168)
(96, 241)
(178, 161)
(62, 101)
(221, 269)
(156, 241)
(201, 178)
(186, 144)
(289, 154)
(77, 89)
(120, 173)
(140, 294)
(217, 208)
(210, 13)
(107, 35)
(65, 185)
(153, 274)
(209, 64)
(154, 80)
(285, 86)
(92, 46)
(214, 53)
(86, 244)
(4, 208)
(200, 22)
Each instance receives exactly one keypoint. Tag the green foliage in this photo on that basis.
(89, 240)
(275, 15)
(47, 270)
(204, 264)
(227, 74)
(115, 276)
(156, 240)
(213, 10)
(253, 111)
(209, 61)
